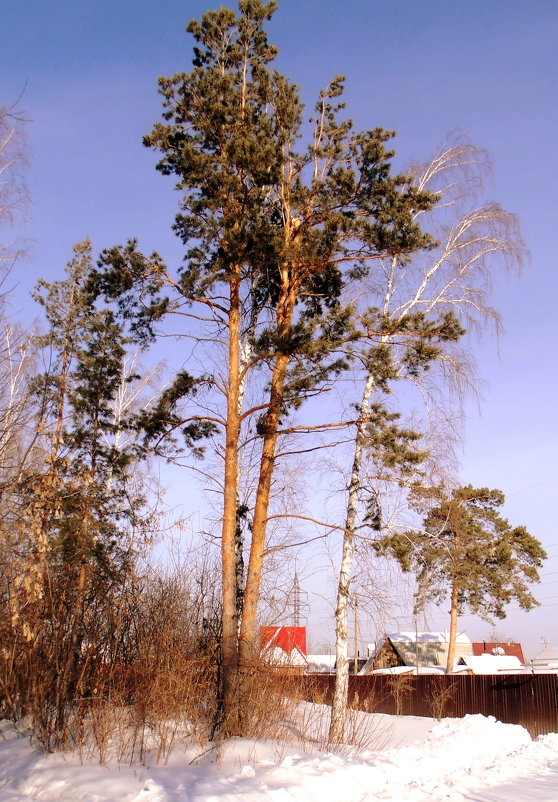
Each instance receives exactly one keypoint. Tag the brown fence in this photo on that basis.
(529, 699)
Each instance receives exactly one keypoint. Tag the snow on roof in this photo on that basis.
(491, 663)
(408, 670)
(548, 656)
(321, 663)
(321, 659)
(427, 637)
(502, 647)
(277, 656)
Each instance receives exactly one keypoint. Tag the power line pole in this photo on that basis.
(296, 601)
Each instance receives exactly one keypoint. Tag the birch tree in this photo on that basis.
(16, 352)
(433, 297)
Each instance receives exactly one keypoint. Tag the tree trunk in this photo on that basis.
(453, 630)
(229, 638)
(341, 686)
(285, 309)
(247, 648)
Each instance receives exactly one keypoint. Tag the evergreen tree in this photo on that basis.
(86, 348)
(82, 514)
(466, 549)
(271, 235)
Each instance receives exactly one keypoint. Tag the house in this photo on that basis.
(489, 664)
(284, 646)
(546, 661)
(510, 648)
(285, 638)
(415, 649)
(321, 663)
(398, 670)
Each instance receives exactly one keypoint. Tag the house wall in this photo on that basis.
(387, 656)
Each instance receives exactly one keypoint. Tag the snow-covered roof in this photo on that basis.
(407, 670)
(548, 657)
(491, 663)
(502, 647)
(427, 637)
(277, 656)
(321, 660)
(320, 663)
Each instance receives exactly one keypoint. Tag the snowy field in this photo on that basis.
(403, 759)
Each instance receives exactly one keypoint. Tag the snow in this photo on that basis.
(277, 656)
(321, 663)
(491, 663)
(427, 637)
(404, 670)
(475, 759)
(547, 658)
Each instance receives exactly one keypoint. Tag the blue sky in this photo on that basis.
(88, 69)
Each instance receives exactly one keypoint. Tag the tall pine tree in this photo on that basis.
(271, 234)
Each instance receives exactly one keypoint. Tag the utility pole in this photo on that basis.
(296, 601)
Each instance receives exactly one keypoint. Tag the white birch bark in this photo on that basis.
(455, 276)
(341, 687)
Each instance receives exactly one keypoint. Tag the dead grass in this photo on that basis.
(400, 686)
(439, 696)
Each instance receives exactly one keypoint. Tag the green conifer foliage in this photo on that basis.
(273, 227)
(82, 512)
(86, 348)
(466, 549)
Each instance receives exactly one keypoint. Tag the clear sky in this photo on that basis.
(88, 70)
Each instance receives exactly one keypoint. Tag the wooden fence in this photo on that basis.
(527, 699)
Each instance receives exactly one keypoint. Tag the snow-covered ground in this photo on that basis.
(402, 759)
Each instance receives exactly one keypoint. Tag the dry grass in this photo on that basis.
(439, 696)
(143, 669)
(400, 686)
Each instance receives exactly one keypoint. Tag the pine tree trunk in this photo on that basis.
(341, 686)
(285, 309)
(229, 641)
(247, 649)
(453, 630)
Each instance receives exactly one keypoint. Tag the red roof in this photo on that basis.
(286, 638)
(512, 649)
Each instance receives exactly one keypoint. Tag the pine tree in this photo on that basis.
(83, 517)
(466, 549)
(271, 235)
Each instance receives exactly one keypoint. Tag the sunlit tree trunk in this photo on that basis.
(341, 687)
(229, 643)
(453, 629)
(267, 464)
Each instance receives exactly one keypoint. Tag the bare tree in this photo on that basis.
(13, 191)
(474, 242)
(15, 346)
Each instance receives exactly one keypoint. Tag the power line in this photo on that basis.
(531, 486)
